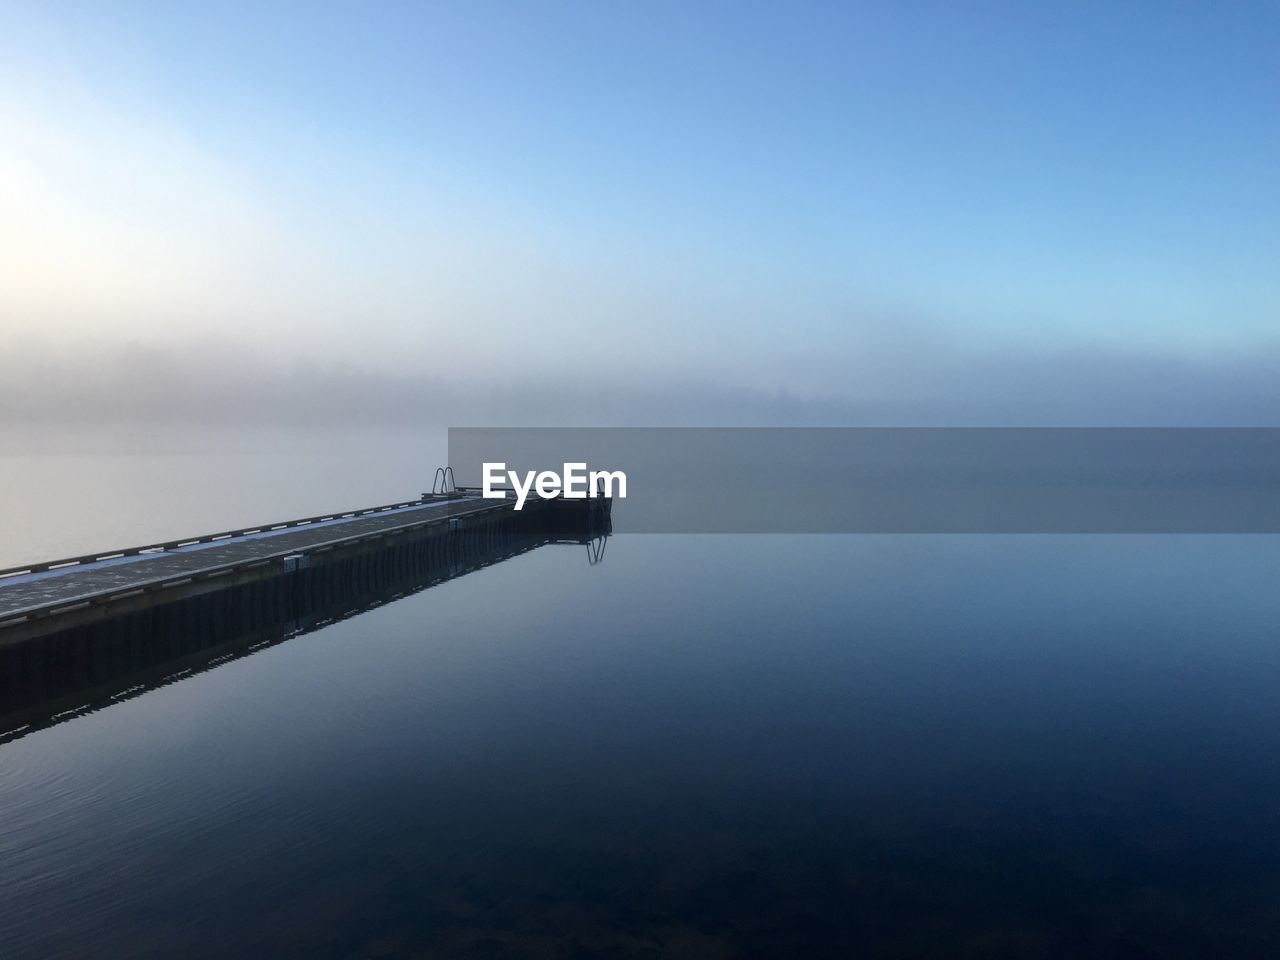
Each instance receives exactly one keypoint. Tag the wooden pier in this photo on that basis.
(86, 632)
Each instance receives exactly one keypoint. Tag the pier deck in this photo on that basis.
(67, 660)
(48, 589)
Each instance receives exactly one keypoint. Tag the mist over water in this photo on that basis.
(905, 375)
(72, 491)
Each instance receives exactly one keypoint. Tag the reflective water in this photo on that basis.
(703, 747)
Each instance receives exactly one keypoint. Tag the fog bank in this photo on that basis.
(214, 384)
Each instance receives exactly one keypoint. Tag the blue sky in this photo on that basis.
(790, 196)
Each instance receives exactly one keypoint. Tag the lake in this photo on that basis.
(704, 746)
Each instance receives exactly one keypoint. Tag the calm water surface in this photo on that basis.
(703, 747)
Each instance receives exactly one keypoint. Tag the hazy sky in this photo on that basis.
(854, 201)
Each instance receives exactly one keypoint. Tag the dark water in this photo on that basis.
(902, 746)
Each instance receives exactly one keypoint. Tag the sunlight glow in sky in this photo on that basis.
(747, 193)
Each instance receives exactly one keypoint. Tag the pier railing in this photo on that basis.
(233, 566)
(167, 545)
